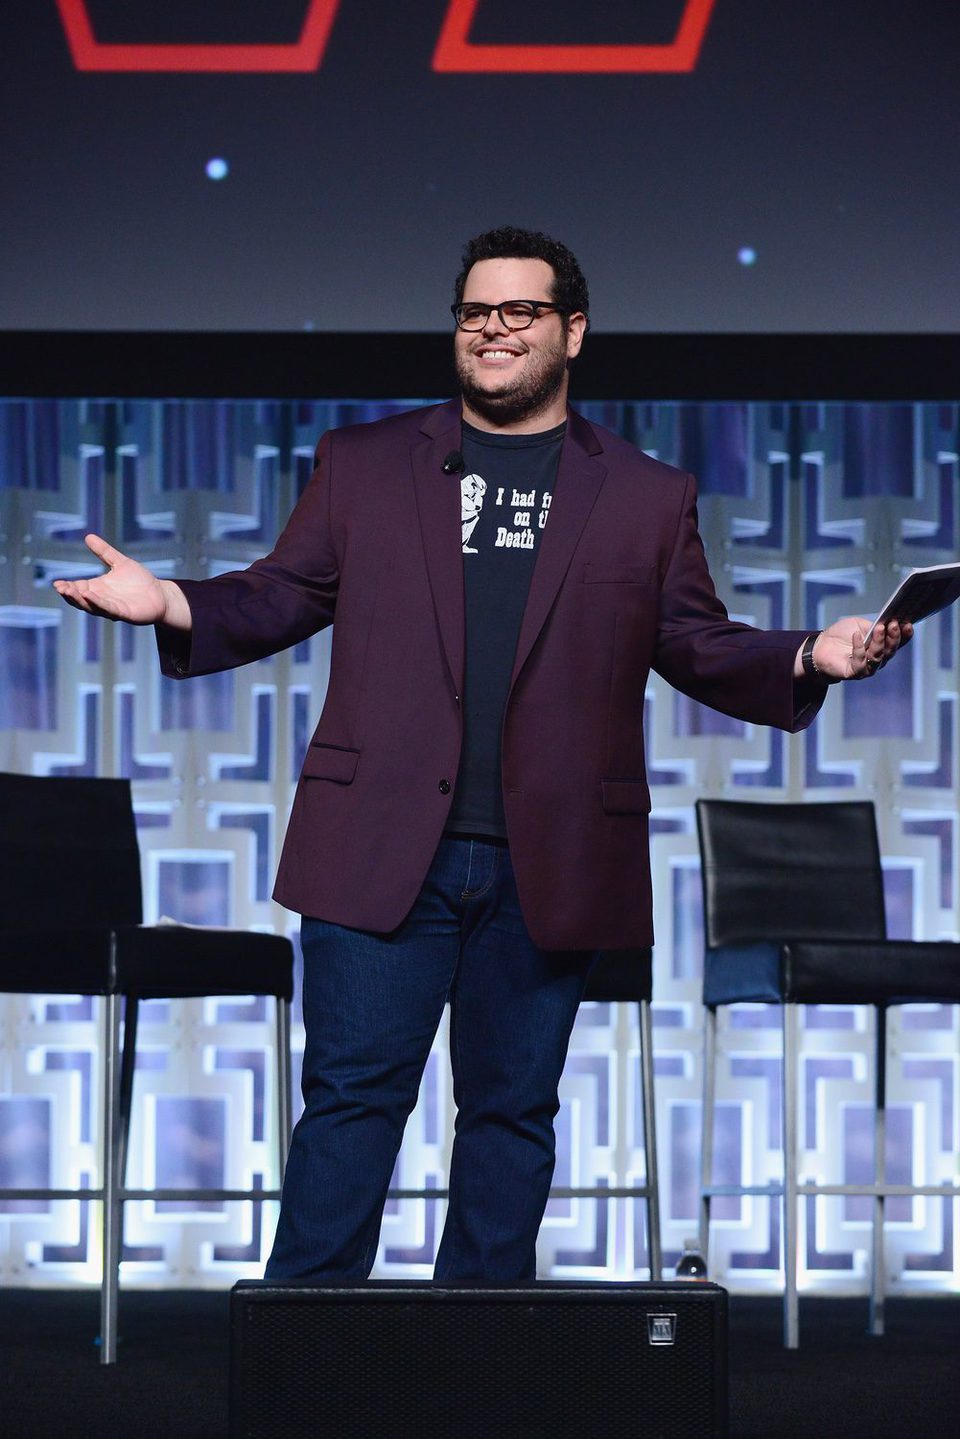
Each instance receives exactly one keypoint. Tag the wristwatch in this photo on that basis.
(809, 663)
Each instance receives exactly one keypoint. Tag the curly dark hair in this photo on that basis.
(509, 243)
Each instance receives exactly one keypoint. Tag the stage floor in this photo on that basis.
(171, 1379)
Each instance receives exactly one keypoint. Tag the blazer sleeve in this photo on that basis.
(278, 601)
(732, 667)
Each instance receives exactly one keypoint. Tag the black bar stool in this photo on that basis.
(794, 914)
(71, 908)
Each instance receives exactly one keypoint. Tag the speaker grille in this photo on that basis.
(478, 1364)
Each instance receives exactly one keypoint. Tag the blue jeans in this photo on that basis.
(371, 1006)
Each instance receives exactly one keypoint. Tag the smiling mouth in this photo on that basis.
(496, 354)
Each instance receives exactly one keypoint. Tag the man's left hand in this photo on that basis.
(853, 650)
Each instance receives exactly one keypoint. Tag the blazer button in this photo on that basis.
(444, 786)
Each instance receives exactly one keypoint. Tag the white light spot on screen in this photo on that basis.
(747, 255)
(217, 168)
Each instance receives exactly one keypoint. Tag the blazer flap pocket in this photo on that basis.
(625, 796)
(325, 761)
(619, 574)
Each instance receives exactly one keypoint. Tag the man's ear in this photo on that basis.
(576, 329)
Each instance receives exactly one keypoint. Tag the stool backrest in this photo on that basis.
(68, 854)
(790, 871)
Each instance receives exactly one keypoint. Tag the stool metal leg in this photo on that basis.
(110, 1282)
(650, 1141)
(284, 1086)
(791, 1068)
(128, 1066)
(706, 1125)
(877, 1276)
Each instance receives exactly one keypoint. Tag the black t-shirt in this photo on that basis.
(506, 488)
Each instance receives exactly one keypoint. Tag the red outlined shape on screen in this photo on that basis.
(88, 53)
(454, 51)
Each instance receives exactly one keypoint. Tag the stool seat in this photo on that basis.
(835, 971)
(166, 961)
(621, 976)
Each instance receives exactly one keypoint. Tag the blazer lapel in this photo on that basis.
(579, 479)
(438, 507)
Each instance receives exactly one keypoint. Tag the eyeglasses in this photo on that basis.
(514, 314)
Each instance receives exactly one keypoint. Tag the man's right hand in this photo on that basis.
(128, 591)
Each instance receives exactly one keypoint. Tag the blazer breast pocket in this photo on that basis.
(327, 761)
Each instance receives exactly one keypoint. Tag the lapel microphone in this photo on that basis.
(452, 463)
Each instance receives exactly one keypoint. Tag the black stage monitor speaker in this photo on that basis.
(392, 1360)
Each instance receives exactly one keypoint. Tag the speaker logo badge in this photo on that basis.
(662, 1328)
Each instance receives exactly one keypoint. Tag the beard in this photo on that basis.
(521, 398)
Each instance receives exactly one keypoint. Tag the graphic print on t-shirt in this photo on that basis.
(518, 514)
(472, 490)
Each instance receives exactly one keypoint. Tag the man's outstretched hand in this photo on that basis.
(128, 591)
(852, 649)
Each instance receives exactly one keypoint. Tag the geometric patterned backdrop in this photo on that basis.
(808, 511)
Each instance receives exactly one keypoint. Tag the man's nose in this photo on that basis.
(494, 324)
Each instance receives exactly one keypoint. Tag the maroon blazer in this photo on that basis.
(620, 586)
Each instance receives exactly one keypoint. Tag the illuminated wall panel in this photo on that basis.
(808, 511)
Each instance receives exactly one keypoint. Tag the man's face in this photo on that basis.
(510, 377)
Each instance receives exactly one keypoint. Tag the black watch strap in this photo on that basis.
(809, 664)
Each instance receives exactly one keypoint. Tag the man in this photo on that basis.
(471, 819)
